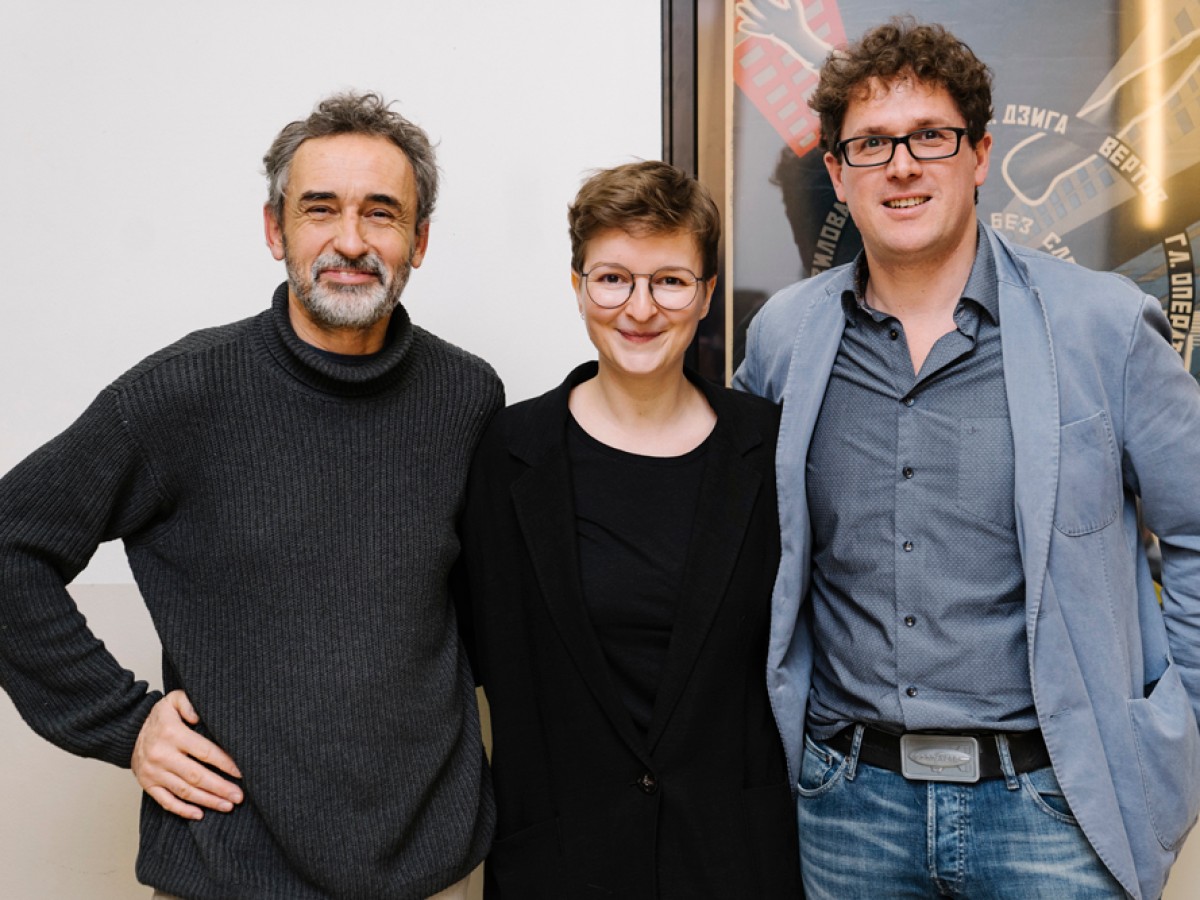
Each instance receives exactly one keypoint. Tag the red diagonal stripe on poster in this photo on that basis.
(778, 78)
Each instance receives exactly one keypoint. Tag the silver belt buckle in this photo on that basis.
(939, 757)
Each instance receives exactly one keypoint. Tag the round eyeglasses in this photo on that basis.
(609, 285)
(878, 149)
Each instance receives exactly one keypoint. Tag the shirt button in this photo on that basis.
(910, 621)
(909, 401)
(648, 783)
(908, 545)
(893, 334)
(912, 692)
(907, 472)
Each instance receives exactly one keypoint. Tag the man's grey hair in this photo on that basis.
(354, 113)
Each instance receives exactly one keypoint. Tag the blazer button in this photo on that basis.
(648, 783)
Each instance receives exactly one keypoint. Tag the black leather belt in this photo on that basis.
(882, 749)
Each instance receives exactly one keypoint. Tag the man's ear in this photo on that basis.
(833, 165)
(273, 232)
(420, 244)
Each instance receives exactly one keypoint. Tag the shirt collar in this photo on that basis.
(982, 287)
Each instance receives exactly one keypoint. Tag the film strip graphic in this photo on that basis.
(1071, 168)
(777, 52)
(1139, 129)
(1168, 271)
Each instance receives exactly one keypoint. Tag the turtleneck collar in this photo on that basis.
(320, 372)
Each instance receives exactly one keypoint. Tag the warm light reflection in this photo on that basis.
(1155, 146)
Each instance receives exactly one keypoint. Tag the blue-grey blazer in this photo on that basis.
(1103, 413)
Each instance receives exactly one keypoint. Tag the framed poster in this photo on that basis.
(1096, 129)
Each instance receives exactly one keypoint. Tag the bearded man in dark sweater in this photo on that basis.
(286, 488)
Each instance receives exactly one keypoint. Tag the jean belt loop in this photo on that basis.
(852, 762)
(1006, 763)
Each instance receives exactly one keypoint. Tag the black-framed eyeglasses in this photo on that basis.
(609, 285)
(924, 144)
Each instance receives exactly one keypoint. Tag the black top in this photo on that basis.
(633, 518)
(697, 806)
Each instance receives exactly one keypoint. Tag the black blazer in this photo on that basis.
(700, 807)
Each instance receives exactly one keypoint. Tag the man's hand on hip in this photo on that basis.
(167, 762)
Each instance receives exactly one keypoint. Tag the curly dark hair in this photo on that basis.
(895, 49)
(641, 198)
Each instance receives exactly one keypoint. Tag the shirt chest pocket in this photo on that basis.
(1089, 481)
(985, 470)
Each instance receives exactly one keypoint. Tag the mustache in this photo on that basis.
(369, 264)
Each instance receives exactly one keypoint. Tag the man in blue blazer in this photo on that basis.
(979, 690)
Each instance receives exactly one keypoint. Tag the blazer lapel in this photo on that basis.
(814, 350)
(1031, 382)
(728, 490)
(545, 509)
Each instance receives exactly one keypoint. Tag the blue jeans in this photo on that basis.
(866, 832)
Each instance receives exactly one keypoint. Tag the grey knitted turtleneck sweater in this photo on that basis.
(290, 523)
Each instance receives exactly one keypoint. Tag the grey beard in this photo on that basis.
(348, 306)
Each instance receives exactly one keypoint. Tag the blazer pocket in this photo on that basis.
(1089, 477)
(1168, 748)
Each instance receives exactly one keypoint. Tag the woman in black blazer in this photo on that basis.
(620, 542)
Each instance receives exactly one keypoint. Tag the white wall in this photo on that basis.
(132, 144)
(132, 139)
